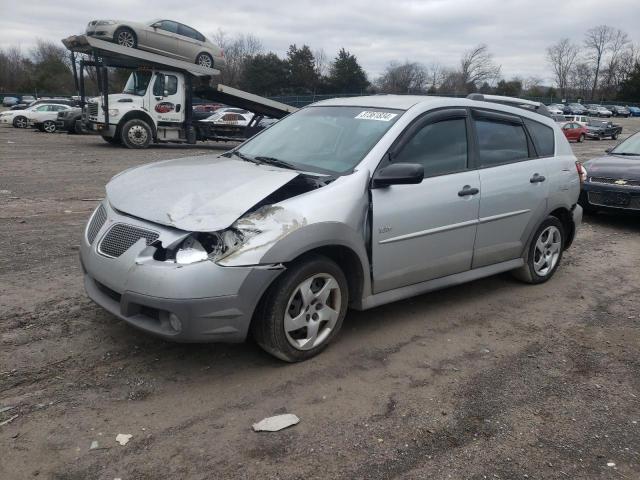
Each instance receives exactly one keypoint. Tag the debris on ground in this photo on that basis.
(278, 422)
(9, 420)
(94, 445)
(611, 464)
(123, 438)
(6, 409)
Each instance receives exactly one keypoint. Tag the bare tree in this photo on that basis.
(321, 62)
(562, 56)
(613, 72)
(236, 51)
(477, 66)
(407, 77)
(597, 41)
(581, 79)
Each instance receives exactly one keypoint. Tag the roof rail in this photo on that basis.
(537, 107)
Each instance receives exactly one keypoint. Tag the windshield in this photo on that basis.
(137, 83)
(323, 139)
(631, 146)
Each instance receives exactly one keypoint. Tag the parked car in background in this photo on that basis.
(618, 111)
(581, 119)
(27, 99)
(165, 37)
(347, 203)
(599, 129)
(559, 118)
(67, 120)
(574, 109)
(598, 111)
(574, 131)
(634, 111)
(207, 107)
(555, 109)
(60, 101)
(613, 180)
(10, 101)
(20, 118)
(230, 118)
(44, 116)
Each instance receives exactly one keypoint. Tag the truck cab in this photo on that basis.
(151, 108)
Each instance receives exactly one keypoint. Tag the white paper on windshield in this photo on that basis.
(380, 116)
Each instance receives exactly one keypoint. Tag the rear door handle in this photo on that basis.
(467, 190)
(537, 178)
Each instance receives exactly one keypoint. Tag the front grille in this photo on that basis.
(93, 109)
(96, 223)
(612, 181)
(597, 198)
(121, 237)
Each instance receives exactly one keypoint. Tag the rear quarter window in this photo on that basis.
(542, 136)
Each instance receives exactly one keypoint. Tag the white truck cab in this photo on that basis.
(151, 108)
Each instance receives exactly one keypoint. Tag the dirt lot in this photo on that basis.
(492, 380)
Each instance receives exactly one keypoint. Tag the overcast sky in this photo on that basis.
(376, 31)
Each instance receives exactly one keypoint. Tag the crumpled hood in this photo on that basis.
(613, 166)
(197, 194)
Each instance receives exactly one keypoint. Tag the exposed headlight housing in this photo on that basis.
(211, 246)
(105, 22)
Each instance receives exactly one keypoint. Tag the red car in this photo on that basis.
(574, 131)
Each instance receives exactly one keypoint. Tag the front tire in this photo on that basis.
(125, 37)
(614, 136)
(136, 133)
(204, 60)
(303, 310)
(20, 122)
(581, 138)
(545, 253)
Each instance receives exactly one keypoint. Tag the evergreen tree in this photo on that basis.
(346, 75)
(302, 75)
(630, 88)
(264, 74)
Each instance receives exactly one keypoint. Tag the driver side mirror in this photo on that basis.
(398, 174)
(156, 25)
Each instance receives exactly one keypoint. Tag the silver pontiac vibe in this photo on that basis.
(348, 203)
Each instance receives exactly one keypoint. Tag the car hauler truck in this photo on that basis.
(156, 104)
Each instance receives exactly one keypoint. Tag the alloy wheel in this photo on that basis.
(126, 39)
(547, 251)
(49, 127)
(312, 311)
(21, 122)
(204, 60)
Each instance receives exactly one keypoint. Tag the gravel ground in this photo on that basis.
(494, 380)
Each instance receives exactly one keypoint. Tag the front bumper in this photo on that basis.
(212, 302)
(602, 195)
(101, 32)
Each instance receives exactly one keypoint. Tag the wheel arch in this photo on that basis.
(566, 218)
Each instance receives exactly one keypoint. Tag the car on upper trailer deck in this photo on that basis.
(165, 37)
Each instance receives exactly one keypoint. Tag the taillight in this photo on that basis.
(582, 172)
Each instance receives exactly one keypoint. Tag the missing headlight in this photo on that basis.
(207, 246)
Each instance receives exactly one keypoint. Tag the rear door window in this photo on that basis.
(187, 32)
(543, 137)
(500, 142)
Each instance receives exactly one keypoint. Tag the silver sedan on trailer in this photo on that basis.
(347, 203)
(165, 37)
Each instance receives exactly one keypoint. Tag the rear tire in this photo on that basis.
(614, 136)
(49, 126)
(545, 252)
(125, 37)
(303, 310)
(20, 122)
(136, 133)
(204, 60)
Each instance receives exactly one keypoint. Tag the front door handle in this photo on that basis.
(537, 178)
(467, 190)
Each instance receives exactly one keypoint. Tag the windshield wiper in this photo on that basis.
(276, 162)
(244, 157)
